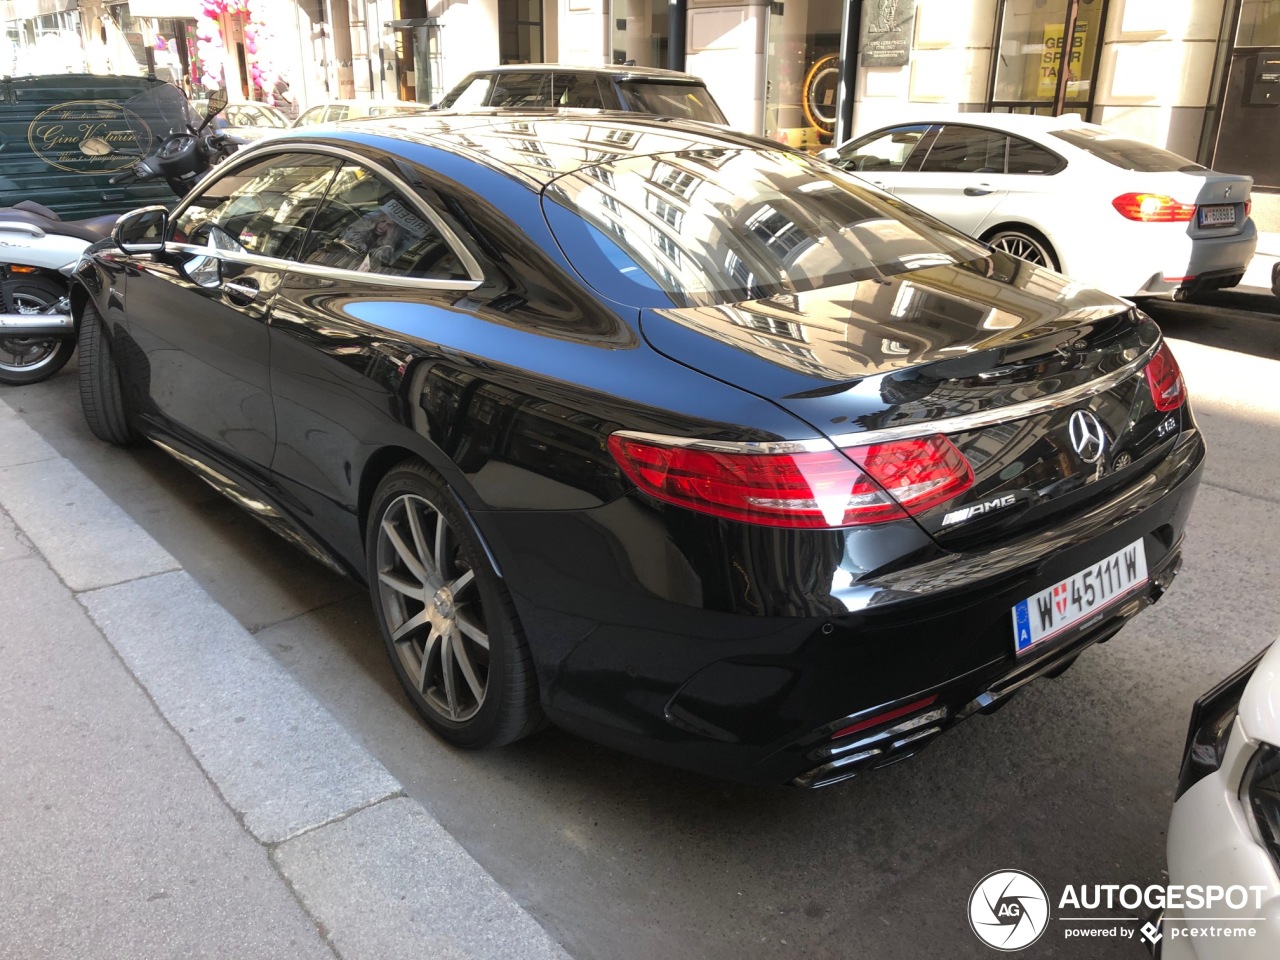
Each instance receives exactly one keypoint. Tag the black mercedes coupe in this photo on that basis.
(677, 439)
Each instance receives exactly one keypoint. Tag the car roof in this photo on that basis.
(613, 70)
(537, 146)
(1022, 123)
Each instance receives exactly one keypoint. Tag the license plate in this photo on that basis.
(1056, 609)
(1218, 215)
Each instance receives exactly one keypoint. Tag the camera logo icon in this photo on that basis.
(1008, 910)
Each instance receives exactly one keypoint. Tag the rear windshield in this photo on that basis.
(1125, 153)
(707, 227)
(689, 100)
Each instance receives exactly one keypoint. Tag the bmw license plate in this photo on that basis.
(1218, 215)
(1056, 609)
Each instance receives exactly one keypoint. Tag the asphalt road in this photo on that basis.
(621, 859)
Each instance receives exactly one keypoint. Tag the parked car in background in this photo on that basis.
(1225, 829)
(42, 122)
(250, 121)
(1107, 210)
(540, 86)
(696, 446)
(333, 111)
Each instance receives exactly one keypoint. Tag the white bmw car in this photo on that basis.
(1107, 210)
(1225, 831)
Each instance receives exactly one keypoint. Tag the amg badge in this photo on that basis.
(965, 513)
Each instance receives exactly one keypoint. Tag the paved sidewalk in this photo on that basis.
(167, 790)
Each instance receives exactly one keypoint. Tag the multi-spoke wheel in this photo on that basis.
(445, 615)
(1025, 245)
(30, 359)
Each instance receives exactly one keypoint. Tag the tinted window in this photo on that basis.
(1027, 157)
(263, 208)
(366, 226)
(1125, 153)
(670, 100)
(966, 150)
(474, 94)
(746, 224)
(888, 150)
(310, 116)
(336, 111)
(577, 90)
(520, 90)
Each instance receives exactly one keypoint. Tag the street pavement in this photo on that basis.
(204, 752)
(168, 790)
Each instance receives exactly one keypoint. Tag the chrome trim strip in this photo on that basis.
(1014, 411)
(764, 448)
(460, 249)
(329, 273)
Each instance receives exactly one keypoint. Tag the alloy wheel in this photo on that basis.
(432, 608)
(1024, 248)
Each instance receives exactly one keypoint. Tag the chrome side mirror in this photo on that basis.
(142, 231)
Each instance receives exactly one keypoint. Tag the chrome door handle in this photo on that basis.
(981, 190)
(241, 292)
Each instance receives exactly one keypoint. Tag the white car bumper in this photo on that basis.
(1212, 843)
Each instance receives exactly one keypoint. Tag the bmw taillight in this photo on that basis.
(806, 485)
(1153, 208)
(1168, 389)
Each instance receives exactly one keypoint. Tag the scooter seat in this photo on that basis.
(90, 230)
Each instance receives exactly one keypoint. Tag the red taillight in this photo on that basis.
(802, 488)
(1153, 208)
(1168, 389)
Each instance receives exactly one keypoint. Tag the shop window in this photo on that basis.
(1031, 54)
(641, 32)
(803, 72)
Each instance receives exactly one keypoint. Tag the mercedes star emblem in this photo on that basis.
(1087, 436)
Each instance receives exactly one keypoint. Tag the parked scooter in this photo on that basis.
(39, 250)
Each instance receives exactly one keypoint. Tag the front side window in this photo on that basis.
(889, 150)
(520, 90)
(310, 116)
(960, 149)
(474, 94)
(366, 226)
(263, 208)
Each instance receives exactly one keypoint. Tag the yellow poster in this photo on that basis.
(1051, 58)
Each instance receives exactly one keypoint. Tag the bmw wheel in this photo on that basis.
(1025, 244)
(448, 623)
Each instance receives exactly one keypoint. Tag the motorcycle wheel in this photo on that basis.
(32, 359)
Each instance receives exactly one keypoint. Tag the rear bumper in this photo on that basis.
(1191, 264)
(726, 649)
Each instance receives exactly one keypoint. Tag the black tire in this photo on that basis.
(32, 359)
(100, 395)
(1024, 243)
(477, 686)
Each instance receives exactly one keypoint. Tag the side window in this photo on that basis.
(263, 208)
(310, 116)
(960, 149)
(576, 90)
(520, 90)
(474, 94)
(888, 150)
(1028, 157)
(336, 112)
(365, 225)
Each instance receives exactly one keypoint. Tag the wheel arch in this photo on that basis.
(1026, 227)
